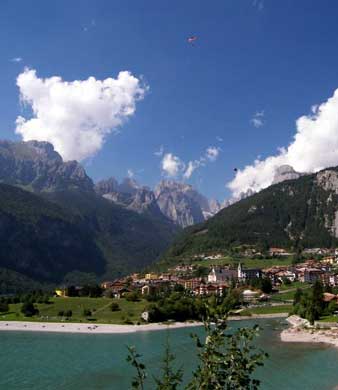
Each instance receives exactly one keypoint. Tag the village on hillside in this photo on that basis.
(256, 284)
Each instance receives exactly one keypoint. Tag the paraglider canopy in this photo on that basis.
(192, 39)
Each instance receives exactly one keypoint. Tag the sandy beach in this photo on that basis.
(297, 333)
(88, 328)
(62, 327)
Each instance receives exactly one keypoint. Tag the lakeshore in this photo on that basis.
(300, 332)
(90, 328)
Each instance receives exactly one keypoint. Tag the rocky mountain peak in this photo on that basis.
(214, 206)
(145, 201)
(107, 186)
(36, 166)
(129, 186)
(285, 172)
(171, 185)
(178, 203)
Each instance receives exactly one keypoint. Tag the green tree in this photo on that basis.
(28, 309)
(171, 378)
(332, 307)
(315, 303)
(114, 306)
(310, 305)
(132, 296)
(226, 361)
(266, 285)
(4, 307)
(298, 296)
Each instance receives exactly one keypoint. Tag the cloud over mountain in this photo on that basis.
(314, 147)
(77, 116)
(173, 166)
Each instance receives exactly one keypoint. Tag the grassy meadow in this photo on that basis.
(246, 262)
(99, 307)
(267, 310)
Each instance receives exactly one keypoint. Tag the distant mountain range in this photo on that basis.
(178, 202)
(299, 211)
(52, 221)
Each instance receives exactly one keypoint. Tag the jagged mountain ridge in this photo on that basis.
(295, 213)
(38, 167)
(285, 172)
(178, 202)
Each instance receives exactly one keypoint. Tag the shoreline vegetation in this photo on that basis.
(90, 328)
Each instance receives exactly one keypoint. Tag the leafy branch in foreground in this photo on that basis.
(225, 360)
(133, 359)
(170, 378)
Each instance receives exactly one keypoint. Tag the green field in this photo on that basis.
(267, 310)
(247, 263)
(287, 292)
(283, 297)
(100, 308)
(294, 285)
(332, 318)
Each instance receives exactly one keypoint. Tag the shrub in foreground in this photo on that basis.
(225, 361)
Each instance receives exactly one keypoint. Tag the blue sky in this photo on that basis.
(279, 58)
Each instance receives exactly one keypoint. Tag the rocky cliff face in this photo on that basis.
(38, 167)
(285, 172)
(107, 186)
(179, 203)
(144, 201)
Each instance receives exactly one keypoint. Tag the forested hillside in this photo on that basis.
(292, 214)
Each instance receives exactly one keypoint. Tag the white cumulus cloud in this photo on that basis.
(16, 59)
(172, 165)
(192, 166)
(258, 119)
(77, 116)
(314, 147)
(212, 153)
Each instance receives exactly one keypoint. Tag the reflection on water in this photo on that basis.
(59, 361)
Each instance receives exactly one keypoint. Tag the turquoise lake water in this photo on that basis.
(68, 361)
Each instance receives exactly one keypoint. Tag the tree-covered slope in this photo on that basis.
(128, 240)
(61, 225)
(40, 240)
(44, 237)
(295, 213)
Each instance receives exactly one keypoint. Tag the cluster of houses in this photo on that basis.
(220, 278)
(307, 272)
(216, 283)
